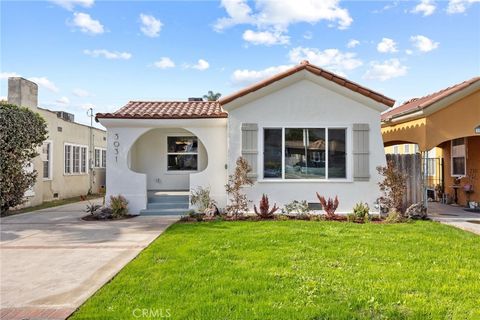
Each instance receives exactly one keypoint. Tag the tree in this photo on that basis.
(393, 187)
(210, 96)
(22, 132)
(236, 181)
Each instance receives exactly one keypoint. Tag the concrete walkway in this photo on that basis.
(455, 216)
(51, 261)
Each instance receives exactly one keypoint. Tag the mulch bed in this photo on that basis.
(337, 218)
(94, 218)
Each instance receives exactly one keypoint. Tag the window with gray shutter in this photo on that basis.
(250, 146)
(361, 152)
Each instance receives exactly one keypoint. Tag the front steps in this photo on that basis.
(163, 203)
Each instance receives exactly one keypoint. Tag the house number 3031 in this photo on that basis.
(116, 145)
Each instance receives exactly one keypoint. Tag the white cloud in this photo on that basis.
(151, 26)
(426, 7)
(201, 65)
(387, 45)
(331, 59)
(459, 6)
(81, 93)
(353, 43)
(386, 7)
(308, 35)
(6, 75)
(86, 23)
(245, 76)
(409, 52)
(108, 54)
(385, 70)
(44, 82)
(265, 37)
(164, 63)
(280, 14)
(423, 43)
(86, 106)
(71, 4)
(63, 101)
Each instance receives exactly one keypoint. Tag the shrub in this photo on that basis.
(265, 211)
(393, 187)
(92, 208)
(361, 211)
(281, 217)
(394, 216)
(329, 205)
(238, 200)
(119, 206)
(351, 217)
(297, 207)
(200, 198)
(23, 131)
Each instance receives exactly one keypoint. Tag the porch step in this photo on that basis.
(163, 212)
(167, 199)
(167, 205)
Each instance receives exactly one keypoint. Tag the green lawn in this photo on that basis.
(298, 270)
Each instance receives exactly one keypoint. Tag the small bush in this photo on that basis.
(361, 211)
(329, 205)
(393, 187)
(281, 217)
(265, 212)
(119, 206)
(200, 198)
(351, 217)
(299, 208)
(394, 216)
(92, 208)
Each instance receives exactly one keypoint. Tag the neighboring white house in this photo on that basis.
(303, 131)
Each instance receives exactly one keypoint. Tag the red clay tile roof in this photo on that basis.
(423, 102)
(305, 65)
(167, 110)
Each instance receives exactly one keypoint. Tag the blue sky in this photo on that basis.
(105, 53)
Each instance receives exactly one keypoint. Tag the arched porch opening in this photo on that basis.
(167, 157)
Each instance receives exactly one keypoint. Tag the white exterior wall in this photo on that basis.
(149, 156)
(306, 104)
(122, 135)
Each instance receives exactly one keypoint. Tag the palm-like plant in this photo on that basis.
(210, 96)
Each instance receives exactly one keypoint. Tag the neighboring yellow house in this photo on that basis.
(72, 159)
(447, 121)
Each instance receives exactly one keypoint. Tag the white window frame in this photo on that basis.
(71, 172)
(182, 153)
(101, 160)
(50, 160)
(348, 152)
(104, 158)
(464, 156)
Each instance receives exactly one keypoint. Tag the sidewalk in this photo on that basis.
(454, 216)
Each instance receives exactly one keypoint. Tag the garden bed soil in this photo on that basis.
(337, 218)
(95, 218)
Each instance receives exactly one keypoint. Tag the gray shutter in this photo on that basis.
(250, 146)
(361, 152)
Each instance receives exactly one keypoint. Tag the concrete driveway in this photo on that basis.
(51, 261)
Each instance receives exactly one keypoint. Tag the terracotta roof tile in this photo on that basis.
(167, 110)
(415, 104)
(305, 65)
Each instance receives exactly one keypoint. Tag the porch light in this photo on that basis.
(477, 130)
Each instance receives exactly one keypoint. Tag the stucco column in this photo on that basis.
(214, 176)
(120, 179)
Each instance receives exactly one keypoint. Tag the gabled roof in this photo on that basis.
(305, 65)
(214, 109)
(416, 104)
(167, 110)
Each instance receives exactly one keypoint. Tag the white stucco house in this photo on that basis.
(303, 131)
